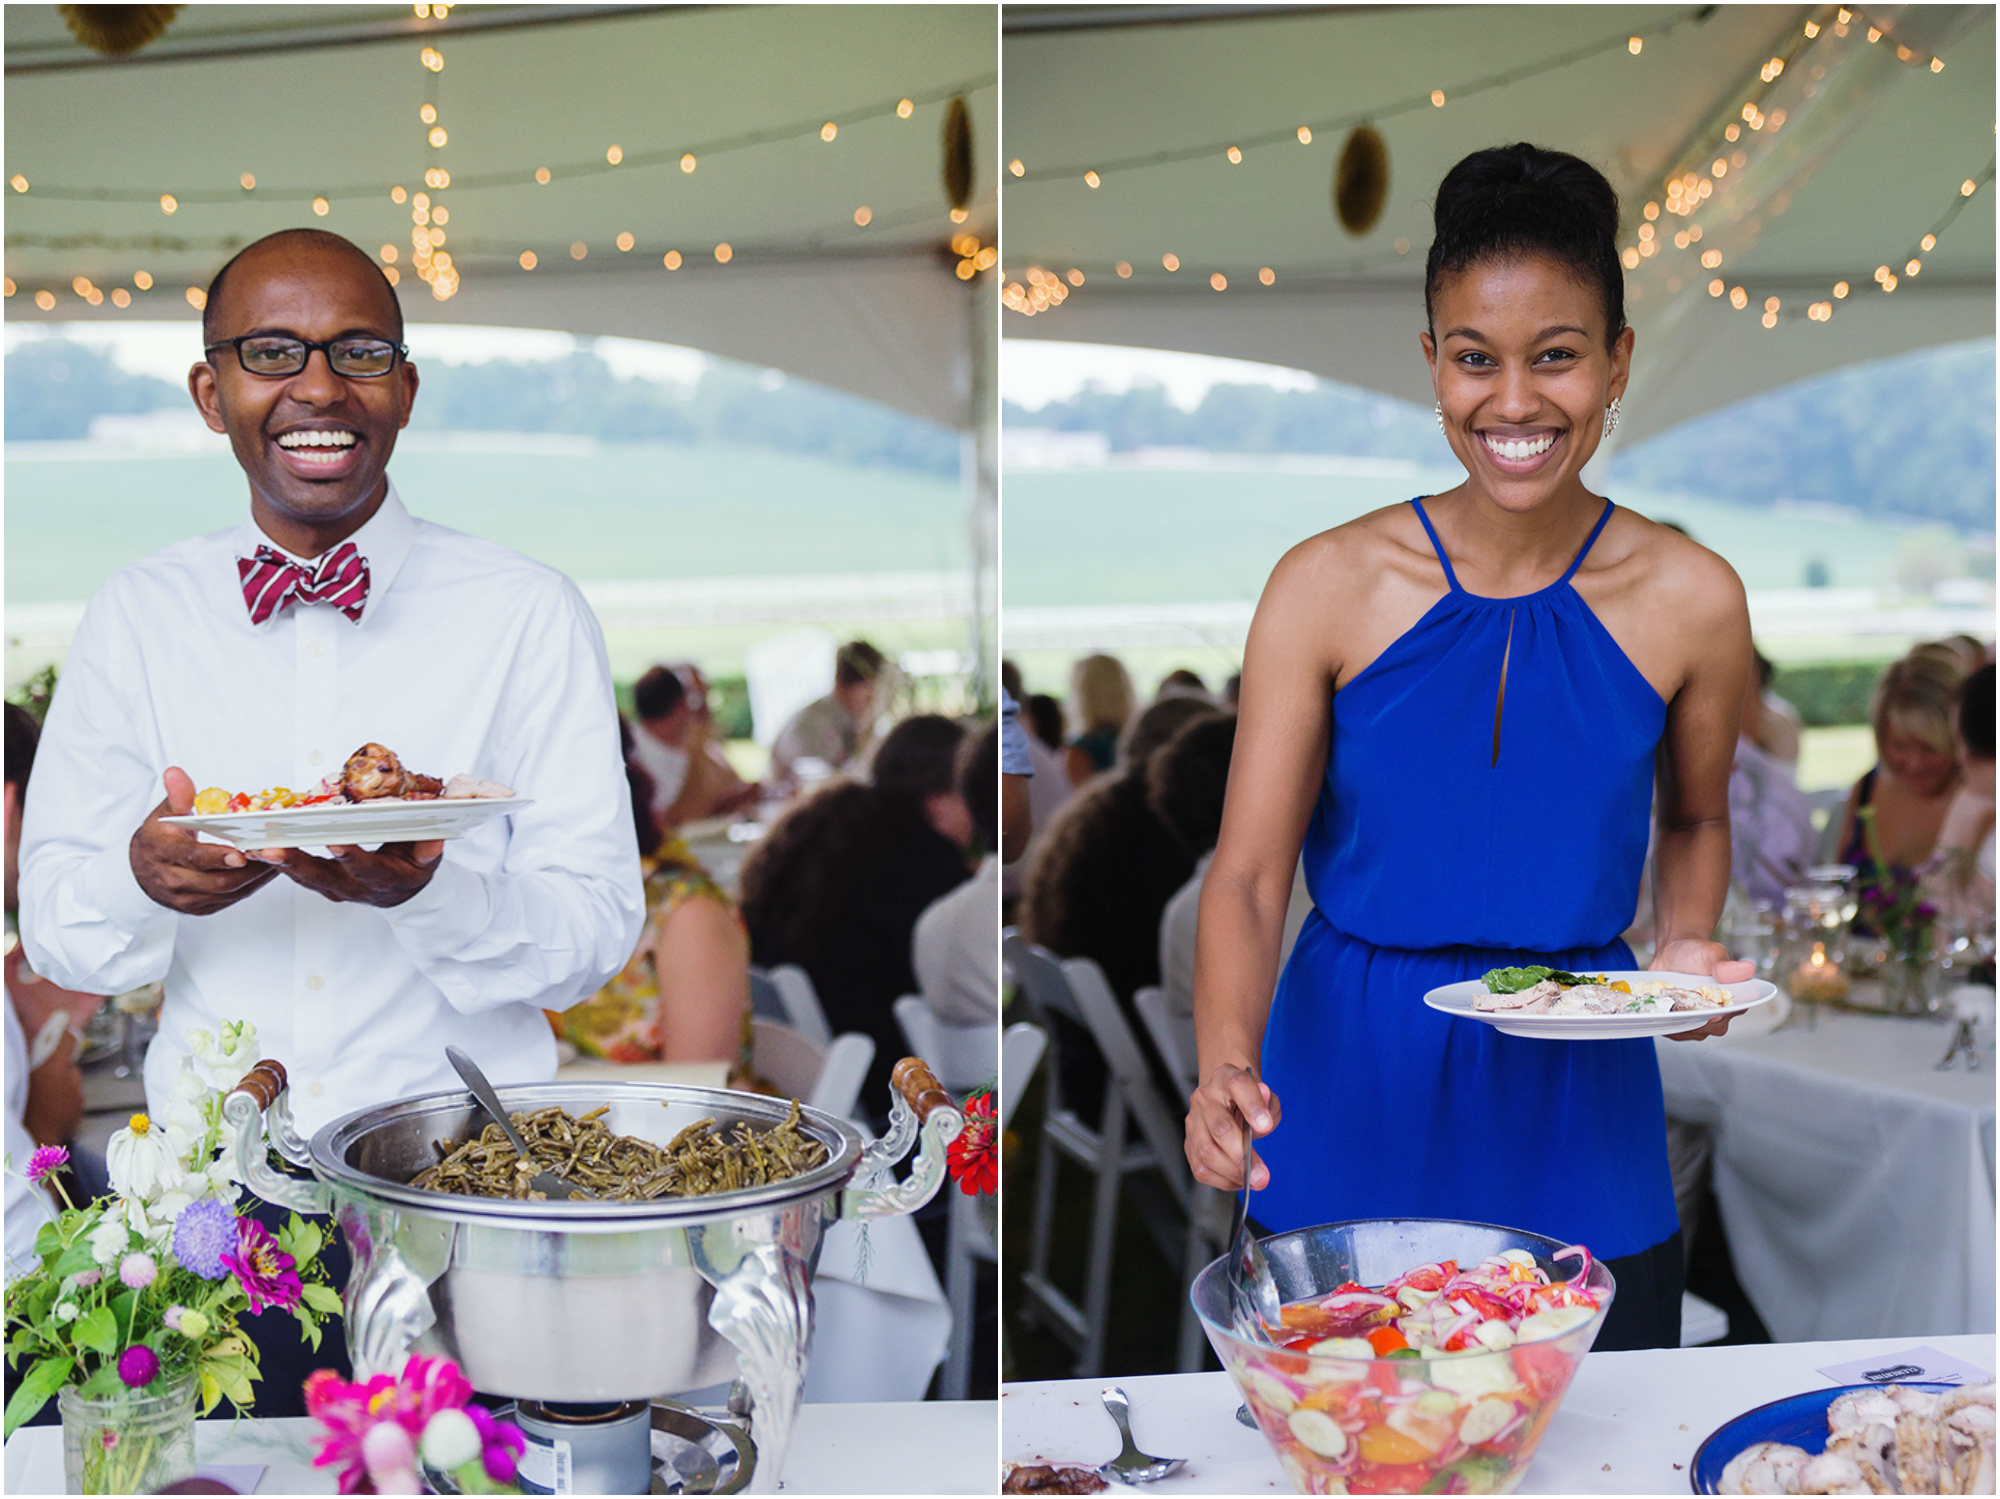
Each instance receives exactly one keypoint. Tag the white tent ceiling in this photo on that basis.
(323, 101)
(1870, 153)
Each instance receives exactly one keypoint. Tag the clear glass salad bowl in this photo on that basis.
(1412, 1422)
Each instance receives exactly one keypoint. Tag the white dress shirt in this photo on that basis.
(955, 950)
(27, 1207)
(469, 657)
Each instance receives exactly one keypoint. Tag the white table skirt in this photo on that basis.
(1855, 1181)
(1630, 1424)
(939, 1447)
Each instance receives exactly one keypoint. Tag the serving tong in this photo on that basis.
(546, 1182)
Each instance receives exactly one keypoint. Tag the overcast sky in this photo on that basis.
(1035, 371)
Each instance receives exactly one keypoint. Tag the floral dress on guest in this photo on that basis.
(621, 1021)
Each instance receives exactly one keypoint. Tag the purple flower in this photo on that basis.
(172, 1316)
(138, 1366)
(84, 1278)
(47, 1158)
(500, 1443)
(204, 1233)
(267, 1274)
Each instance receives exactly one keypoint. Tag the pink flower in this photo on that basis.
(88, 1278)
(266, 1273)
(500, 1444)
(47, 1158)
(137, 1270)
(352, 1414)
(390, 1454)
(346, 1411)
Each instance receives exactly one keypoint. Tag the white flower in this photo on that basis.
(221, 1061)
(450, 1440)
(145, 1159)
(66, 1311)
(110, 1239)
(188, 1105)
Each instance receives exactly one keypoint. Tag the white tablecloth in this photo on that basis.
(1630, 1424)
(1855, 1181)
(940, 1447)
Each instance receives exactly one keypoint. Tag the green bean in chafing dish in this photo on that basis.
(698, 1161)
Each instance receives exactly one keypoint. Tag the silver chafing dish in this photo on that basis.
(585, 1300)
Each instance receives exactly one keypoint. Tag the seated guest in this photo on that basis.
(685, 994)
(1097, 885)
(833, 729)
(1916, 771)
(837, 885)
(1184, 786)
(1048, 785)
(1775, 726)
(1045, 719)
(1181, 680)
(956, 946)
(675, 744)
(1100, 703)
(1770, 820)
(1964, 858)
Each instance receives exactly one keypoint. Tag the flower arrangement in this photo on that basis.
(375, 1432)
(142, 1289)
(1894, 900)
(973, 1159)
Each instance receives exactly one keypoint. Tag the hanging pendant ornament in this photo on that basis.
(957, 155)
(1361, 181)
(117, 30)
(1439, 409)
(1611, 417)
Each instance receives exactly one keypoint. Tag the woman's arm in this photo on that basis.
(1078, 765)
(1691, 862)
(1283, 728)
(702, 959)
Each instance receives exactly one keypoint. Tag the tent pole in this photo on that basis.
(978, 469)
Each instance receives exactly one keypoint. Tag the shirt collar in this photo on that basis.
(385, 540)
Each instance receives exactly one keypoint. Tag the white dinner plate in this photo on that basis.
(385, 821)
(1456, 1000)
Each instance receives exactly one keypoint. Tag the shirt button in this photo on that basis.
(316, 1089)
(316, 649)
(315, 982)
(315, 758)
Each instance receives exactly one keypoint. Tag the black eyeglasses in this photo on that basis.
(275, 354)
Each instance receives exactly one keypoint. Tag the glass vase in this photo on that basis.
(1910, 984)
(134, 1442)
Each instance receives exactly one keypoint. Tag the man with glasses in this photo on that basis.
(262, 656)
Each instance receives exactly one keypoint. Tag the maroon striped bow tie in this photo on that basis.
(271, 580)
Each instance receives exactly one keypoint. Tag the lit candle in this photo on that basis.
(1817, 980)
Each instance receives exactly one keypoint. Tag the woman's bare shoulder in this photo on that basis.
(1674, 570)
(1343, 560)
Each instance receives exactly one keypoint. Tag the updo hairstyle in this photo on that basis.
(1514, 201)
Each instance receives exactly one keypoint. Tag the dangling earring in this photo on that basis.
(1611, 417)
(1438, 407)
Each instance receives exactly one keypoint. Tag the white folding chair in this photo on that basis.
(764, 997)
(822, 1077)
(1021, 1048)
(961, 1057)
(1701, 1321)
(1826, 809)
(798, 999)
(1162, 1123)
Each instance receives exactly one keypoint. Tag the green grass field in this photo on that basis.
(622, 512)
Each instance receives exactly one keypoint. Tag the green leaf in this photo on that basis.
(1513, 980)
(48, 1239)
(41, 1381)
(321, 1298)
(104, 1382)
(97, 1330)
(76, 1257)
(125, 1308)
(300, 1239)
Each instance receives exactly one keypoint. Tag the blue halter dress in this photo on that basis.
(1460, 830)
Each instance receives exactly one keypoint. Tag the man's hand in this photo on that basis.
(1691, 955)
(387, 877)
(181, 872)
(1216, 1111)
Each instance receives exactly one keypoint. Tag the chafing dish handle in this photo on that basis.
(915, 1095)
(263, 1088)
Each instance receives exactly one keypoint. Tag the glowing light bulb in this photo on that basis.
(389, 254)
(625, 241)
(397, 195)
(120, 297)
(247, 181)
(615, 154)
(1305, 135)
(431, 58)
(828, 131)
(1715, 287)
(46, 300)
(1091, 179)
(1840, 288)
(671, 260)
(1124, 269)
(904, 108)
(1235, 156)
(18, 183)
(1171, 262)
(1267, 275)
(428, 114)
(1635, 46)
(723, 254)
(542, 175)
(1015, 167)
(862, 215)
(1075, 277)
(168, 203)
(322, 207)
(688, 162)
(529, 260)
(143, 280)
(1437, 98)
(437, 136)
(578, 250)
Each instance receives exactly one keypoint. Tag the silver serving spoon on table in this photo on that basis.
(1253, 1294)
(545, 1182)
(1132, 1465)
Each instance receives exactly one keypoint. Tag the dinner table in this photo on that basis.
(923, 1447)
(1630, 1423)
(1855, 1179)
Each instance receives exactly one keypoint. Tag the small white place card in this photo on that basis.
(1911, 1366)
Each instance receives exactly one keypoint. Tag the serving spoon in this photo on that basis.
(1131, 1465)
(545, 1182)
(1253, 1294)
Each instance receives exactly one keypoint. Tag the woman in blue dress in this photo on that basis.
(1457, 708)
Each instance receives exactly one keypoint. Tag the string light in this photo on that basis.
(862, 215)
(46, 300)
(120, 298)
(958, 215)
(1124, 269)
(671, 260)
(397, 195)
(723, 254)
(168, 203)
(1305, 135)
(7, 287)
(688, 162)
(1091, 179)
(1437, 98)
(1171, 262)
(614, 155)
(197, 298)
(529, 260)
(904, 109)
(1219, 281)
(626, 242)
(542, 176)
(249, 182)
(428, 114)
(322, 207)
(18, 183)
(1267, 276)
(578, 250)
(143, 280)
(1015, 167)
(1635, 45)
(828, 131)
(1235, 156)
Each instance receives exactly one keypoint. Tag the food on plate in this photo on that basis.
(371, 774)
(1441, 1381)
(1056, 1478)
(1549, 991)
(697, 1161)
(1892, 1440)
